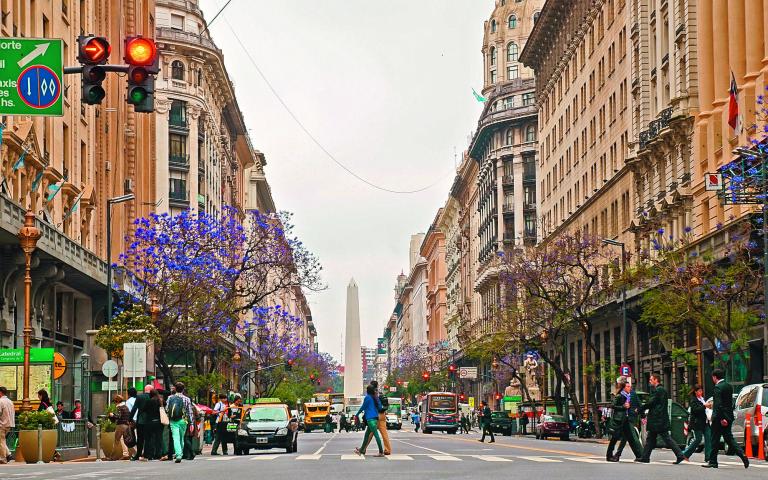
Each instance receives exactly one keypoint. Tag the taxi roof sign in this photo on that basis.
(267, 400)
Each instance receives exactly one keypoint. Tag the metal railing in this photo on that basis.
(72, 434)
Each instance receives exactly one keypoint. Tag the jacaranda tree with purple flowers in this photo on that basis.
(210, 275)
(690, 285)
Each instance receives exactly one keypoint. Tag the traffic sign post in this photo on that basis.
(31, 73)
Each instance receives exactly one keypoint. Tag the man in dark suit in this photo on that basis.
(487, 422)
(141, 421)
(658, 422)
(722, 420)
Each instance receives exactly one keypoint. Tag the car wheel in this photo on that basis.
(452, 432)
(565, 438)
(245, 451)
(426, 430)
(508, 432)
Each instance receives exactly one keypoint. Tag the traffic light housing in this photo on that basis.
(462, 397)
(312, 377)
(452, 370)
(288, 365)
(498, 396)
(143, 64)
(425, 376)
(92, 53)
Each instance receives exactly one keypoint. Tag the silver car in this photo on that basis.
(748, 401)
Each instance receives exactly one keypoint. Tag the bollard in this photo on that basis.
(760, 434)
(98, 442)
(748, 436)
(40, 443)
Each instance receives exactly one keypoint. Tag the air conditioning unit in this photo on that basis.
(128, 185)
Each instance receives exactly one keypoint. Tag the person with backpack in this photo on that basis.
(180, 414)
(221, 418)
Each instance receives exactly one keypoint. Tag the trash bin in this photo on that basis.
(678, 415)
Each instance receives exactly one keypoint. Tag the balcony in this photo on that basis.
(529, 206)
(529, 175)
(178, 121)
(507, 180)
(167, 33)
(178, 162)
(508, 208)
(509, 237)
(178, 199)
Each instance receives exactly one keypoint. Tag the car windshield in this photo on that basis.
(499, 415)
(394, 409)
(267, 414)
(442, 403)
(554, 418)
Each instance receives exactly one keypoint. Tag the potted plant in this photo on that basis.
(107, 425)
(27, 424)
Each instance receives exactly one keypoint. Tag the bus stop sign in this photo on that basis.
(31, 74)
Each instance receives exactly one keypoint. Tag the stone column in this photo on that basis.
(722, 73)
(736, 39)
(704, 39)
(753, 30)
(162, 107)
(193, 112)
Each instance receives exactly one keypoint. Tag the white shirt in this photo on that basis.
(129, 403)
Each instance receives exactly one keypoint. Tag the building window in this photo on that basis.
(530, 133)
(508, 140)
(493, 56)
(493, 76)
(177, 148)
(177, 70)
(178, 114)
(177, 189)
(512, 72)
(512, 52)
(529, 99)
(177, 22)
(199, 77)
(536, 17)
(493, 26)
(512, 21)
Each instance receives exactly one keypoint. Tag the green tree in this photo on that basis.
(129, 326)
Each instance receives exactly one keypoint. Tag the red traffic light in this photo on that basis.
(399, 382)
(452, 368)
(93, 50)
(425, 376)
(498, 396)
(140, 51)
(329, 390)
(311, 376)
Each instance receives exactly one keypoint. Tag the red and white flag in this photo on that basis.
(734, 118)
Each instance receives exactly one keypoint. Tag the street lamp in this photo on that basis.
(112, 201)
(29, 234)
(624, 326)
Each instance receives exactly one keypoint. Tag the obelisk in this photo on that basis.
(353, 364)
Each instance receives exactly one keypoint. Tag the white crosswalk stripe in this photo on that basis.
(584, 459)
(308, 457)
(445, 458)
(352, 457)
(399, 457)
(266, 457)
(541, 459)
(492, 458)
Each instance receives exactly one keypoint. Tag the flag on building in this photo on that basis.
(36, 181)
(479, 97)
(53, 190)
(75, 204)
(734, 118)
(20, 162)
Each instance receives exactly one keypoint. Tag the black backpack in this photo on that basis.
(175, 407)
(384, 404)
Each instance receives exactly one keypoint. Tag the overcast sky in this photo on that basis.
(386, 87)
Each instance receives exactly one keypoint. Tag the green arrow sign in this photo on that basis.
(31, 76)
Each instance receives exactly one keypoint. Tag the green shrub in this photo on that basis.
(30, 420)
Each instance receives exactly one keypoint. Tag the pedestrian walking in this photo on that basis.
(153, 446)
(343, 425)
(658, 422)
(328, 425)
(221, 412)
(370, 410)
(486, 422)
(7, 422)
(698, 424)
(382, 419)
(464, 423)
(141, 420)
(633, 415)
(180, 415)
(722, 420)
(122, 419)
(416, 418)
(524, 423)
(45, 401)
(620, 423)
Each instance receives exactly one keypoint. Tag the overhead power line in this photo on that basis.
(215, 17)
(310, 135)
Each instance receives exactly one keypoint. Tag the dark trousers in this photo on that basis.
(418, 424)
(141, 436)
(698, 436)
(625, 433)
(651, 441)
(464, 427)
(487, 428)
(725, 432)
(220, 438)
(152, 441)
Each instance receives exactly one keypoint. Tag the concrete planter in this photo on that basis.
(108, 444)
(28, 445)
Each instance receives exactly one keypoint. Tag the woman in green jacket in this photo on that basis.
(622, 429)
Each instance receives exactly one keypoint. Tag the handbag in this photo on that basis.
(53, 412)
(164, 417)
(129, 437)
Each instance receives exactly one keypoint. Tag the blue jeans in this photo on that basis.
(178, 430)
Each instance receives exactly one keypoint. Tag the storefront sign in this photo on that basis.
(59, 365)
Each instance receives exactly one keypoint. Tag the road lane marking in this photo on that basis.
(352, 457)
(399, 457)
(322, 447)
(445, 458)
(521, 447)
(266, 457)
(584, 460)
(424, 448)
(491, 458)
(309, 457)
(223, 458)
(541, 459)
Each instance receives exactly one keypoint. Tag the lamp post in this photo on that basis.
(110, 202)
(624, 326)
(29, 234)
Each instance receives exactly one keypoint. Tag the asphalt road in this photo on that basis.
(415, 456)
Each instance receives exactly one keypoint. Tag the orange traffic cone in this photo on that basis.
(748, 435)
(760, 435)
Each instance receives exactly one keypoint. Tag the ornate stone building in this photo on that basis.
(203, 147)
(433, 251)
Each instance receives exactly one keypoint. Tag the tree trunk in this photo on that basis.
(162, 364)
